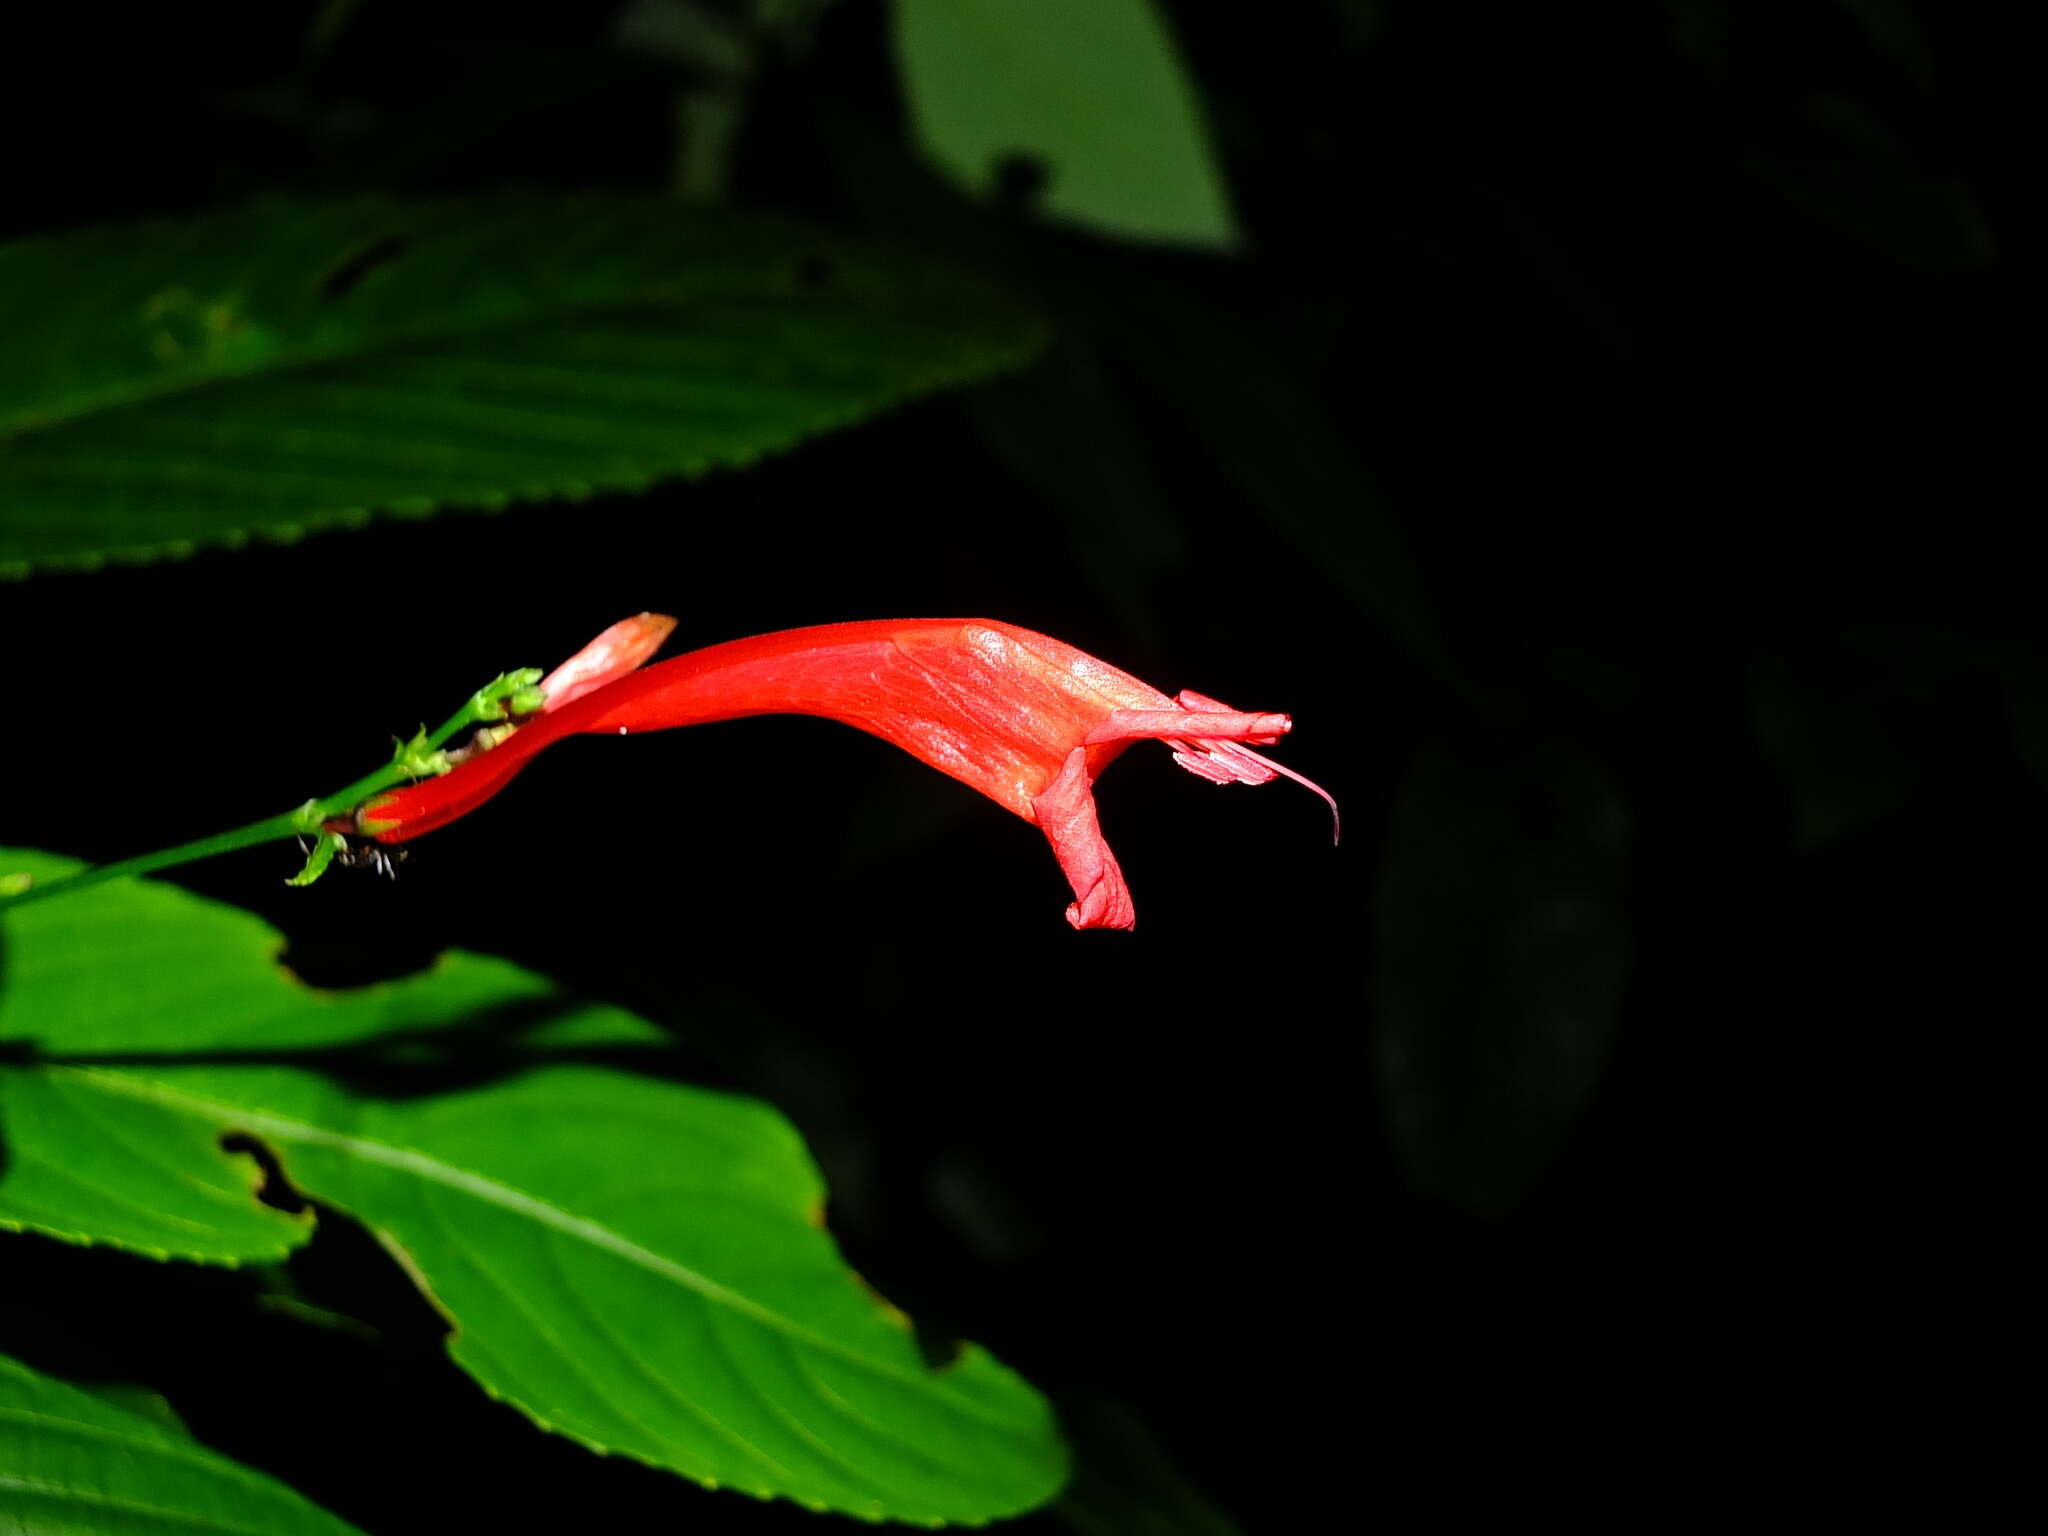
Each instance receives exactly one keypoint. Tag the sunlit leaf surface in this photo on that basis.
(1089, 93)
(72, 1464)
(639, 1264)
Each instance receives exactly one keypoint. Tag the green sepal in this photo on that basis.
(419, 757)
(325, 847)
(503, 695)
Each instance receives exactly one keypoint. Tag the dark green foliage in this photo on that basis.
(1501, 930)
(289, 367)
(1610, 436)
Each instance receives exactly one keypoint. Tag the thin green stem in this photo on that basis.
(415, 759)
(271, 829)
(511, 693)
(303, 822)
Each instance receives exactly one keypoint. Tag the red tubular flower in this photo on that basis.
(1026, 720)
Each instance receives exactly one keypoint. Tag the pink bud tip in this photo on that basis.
(619, 650)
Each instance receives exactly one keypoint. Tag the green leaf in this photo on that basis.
(2023, 685)
(298, 365)
(1091, 90)
(1500, 952)
(1841, 168)
(1893, 30)
(1126, 1484)
(1064, 430)
(1265, 430)
(638, 1264)
(73, 1464)
(1837, 737)
(1852, 711)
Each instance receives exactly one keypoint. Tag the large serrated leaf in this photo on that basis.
(635, 1263)
(72, 1464)
(291, 366)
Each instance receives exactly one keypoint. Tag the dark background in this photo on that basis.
(1619, 449)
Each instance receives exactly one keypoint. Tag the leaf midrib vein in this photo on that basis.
(519, 1202)
(422, 338)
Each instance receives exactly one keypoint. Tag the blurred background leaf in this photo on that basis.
(1502, 947)
(1128, 1485)
(1080, 108)
(1847, 714)
(1892, 28)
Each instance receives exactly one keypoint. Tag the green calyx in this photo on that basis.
(511, 693)
(322, 853)
(421, 756)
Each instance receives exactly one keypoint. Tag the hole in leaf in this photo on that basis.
(350, 950)
(1021, 180)
(939, 1346)
(276, 1190)
(814, 271)
(349, 273)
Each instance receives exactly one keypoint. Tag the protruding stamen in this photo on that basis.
(1208, 739)
(1215, 769)
(1231, 762)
